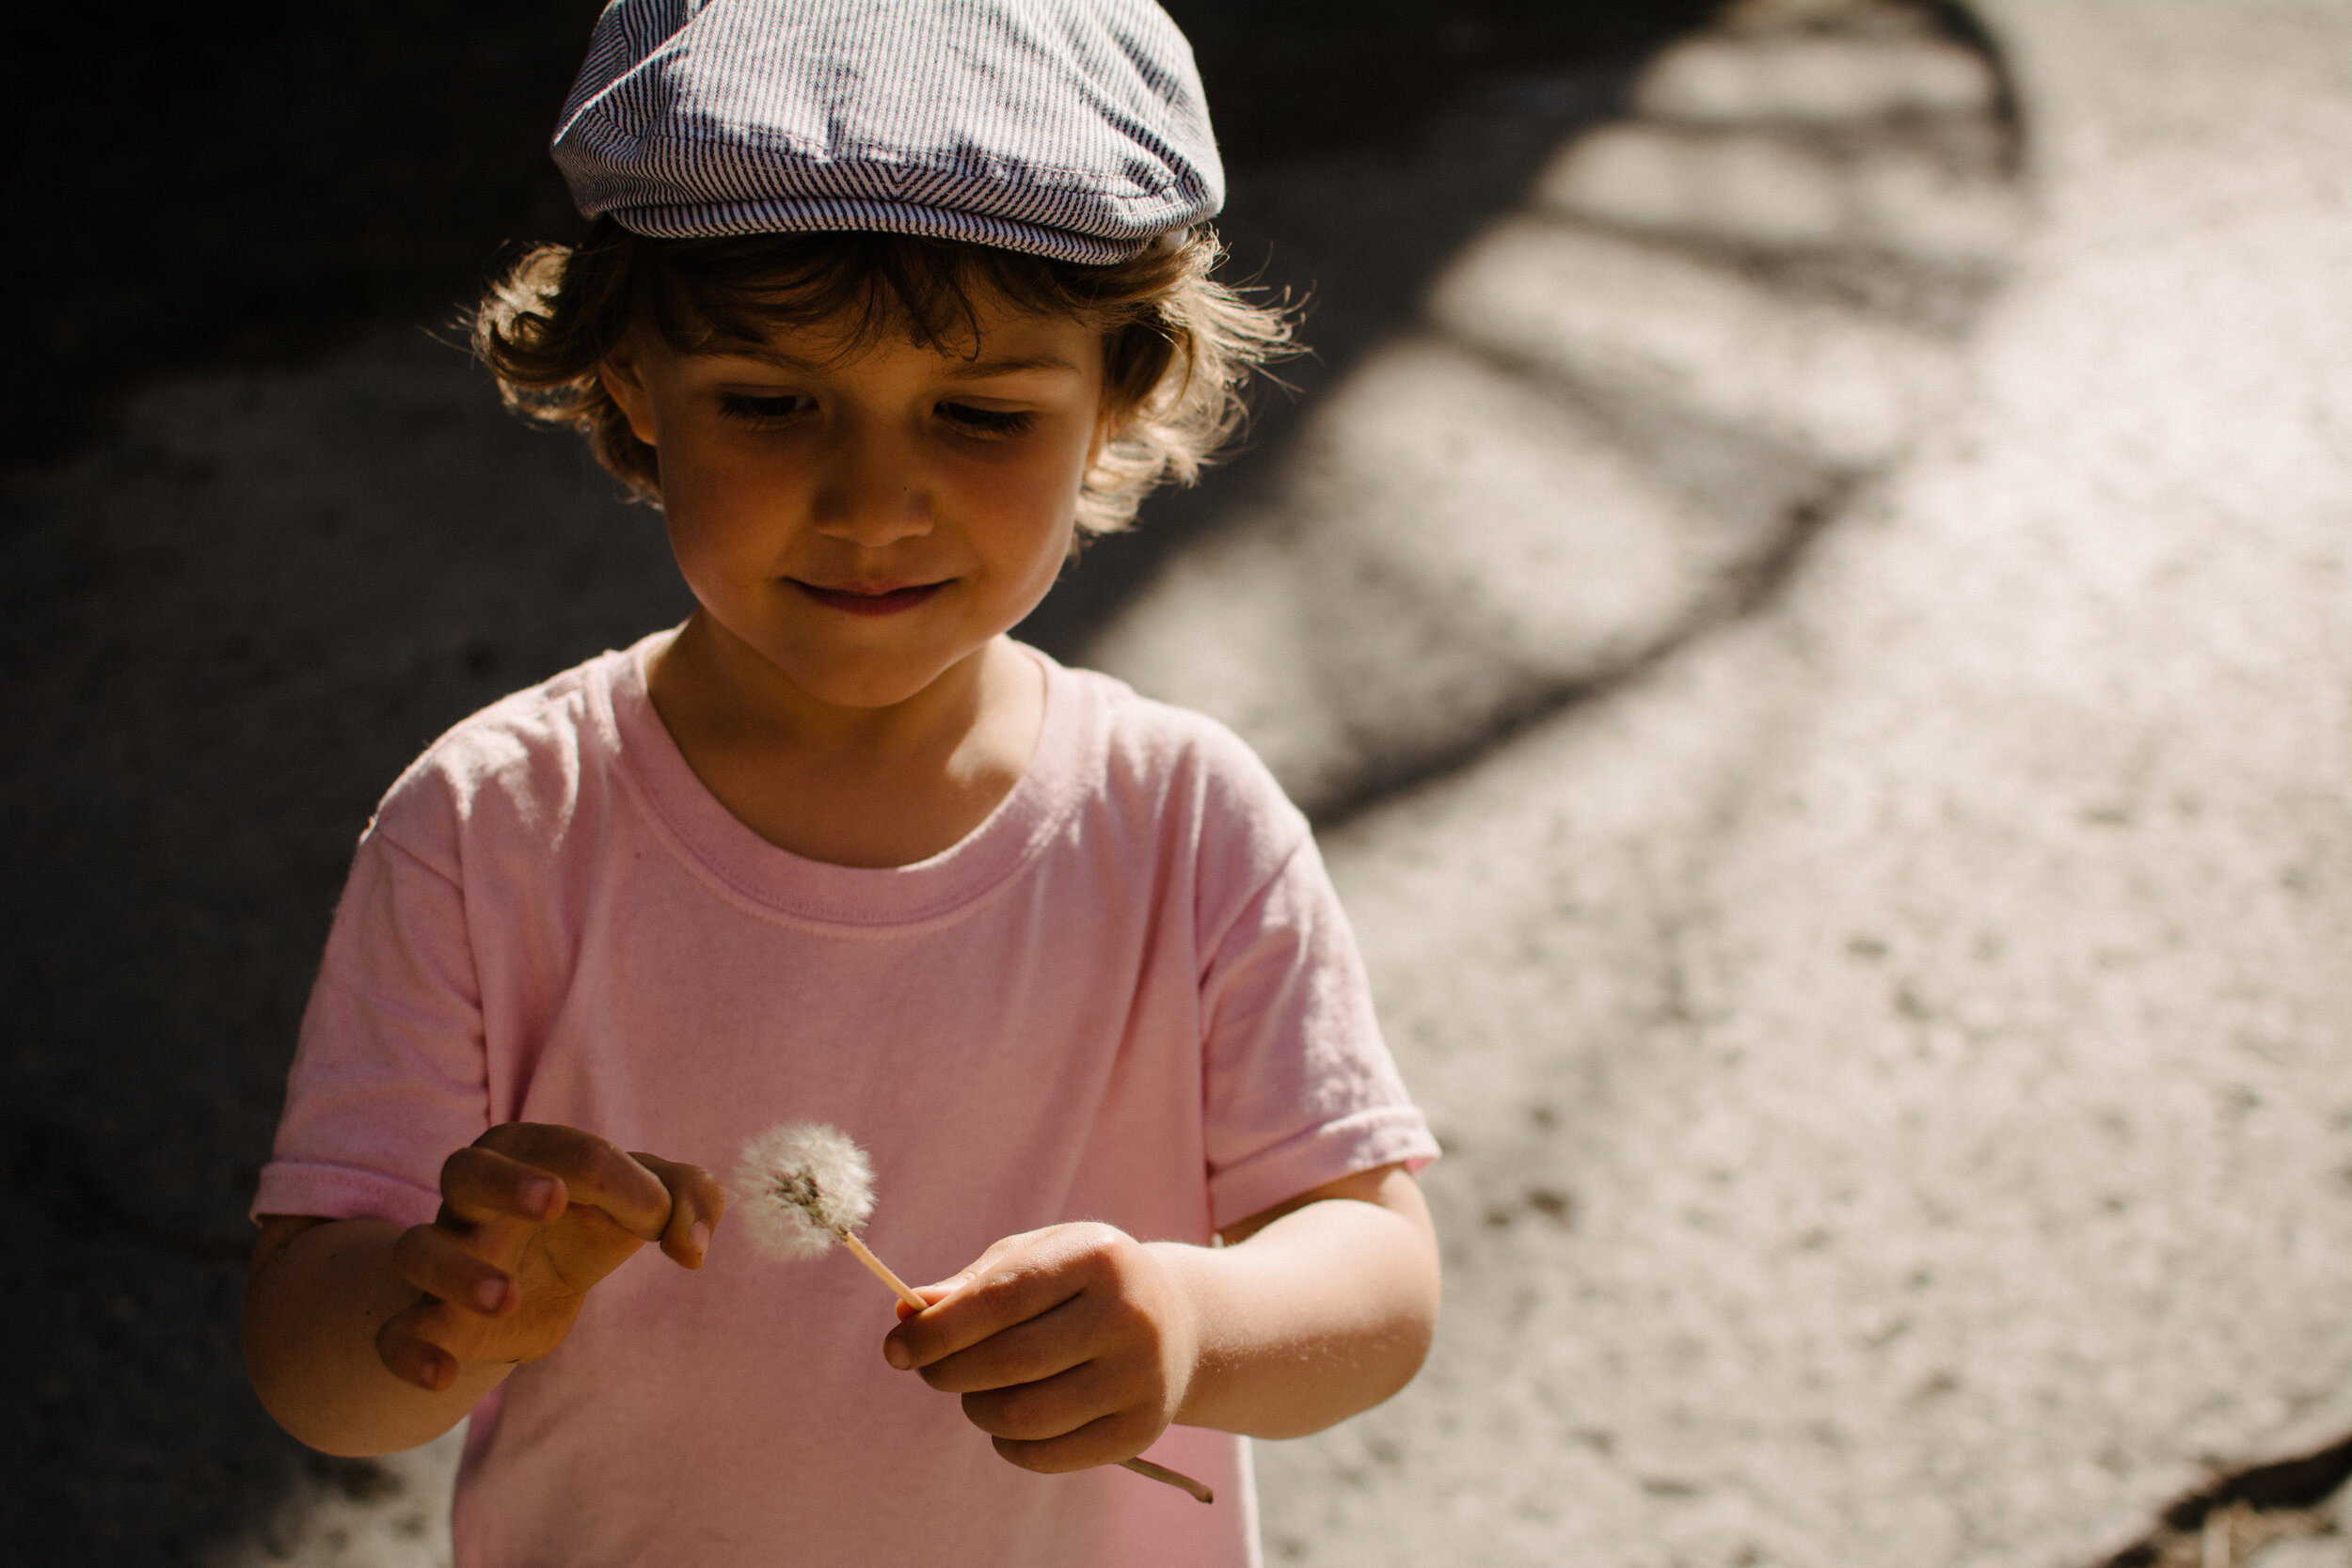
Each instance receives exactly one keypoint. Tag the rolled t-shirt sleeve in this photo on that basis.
(1301, 1089)
(389, 1076)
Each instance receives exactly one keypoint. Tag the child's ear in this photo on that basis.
(624, 385)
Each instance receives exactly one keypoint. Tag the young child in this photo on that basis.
(884, 304)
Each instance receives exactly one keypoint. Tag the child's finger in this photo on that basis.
(594, 1172)
(442, 1265)
(410, 1354)
(480, 1184)
(1051, 1407)
(696, 1203)
(932, 1294)
(1024, 1351)
(1105, 1440)
(1030, 1275)
(997, 1251)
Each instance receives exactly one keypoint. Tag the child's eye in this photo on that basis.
(764, 410)
(986, 422)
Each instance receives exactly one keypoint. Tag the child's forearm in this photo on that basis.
(1321, 1313)
(312, 1309)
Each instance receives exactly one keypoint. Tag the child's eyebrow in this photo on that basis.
(980, 369)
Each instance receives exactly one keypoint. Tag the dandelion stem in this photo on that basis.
(1177, 1479)
(879, 1269)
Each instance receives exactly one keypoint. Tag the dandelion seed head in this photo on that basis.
(797, 1183)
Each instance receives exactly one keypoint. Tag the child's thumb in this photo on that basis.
(933, 1294)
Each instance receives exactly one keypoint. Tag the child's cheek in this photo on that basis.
(722, 503)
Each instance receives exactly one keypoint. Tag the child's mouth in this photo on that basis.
(862, 600)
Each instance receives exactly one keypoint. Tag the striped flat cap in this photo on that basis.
(1074, 128)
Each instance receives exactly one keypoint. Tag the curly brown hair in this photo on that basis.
(1178, 348)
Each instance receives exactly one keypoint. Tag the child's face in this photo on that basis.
(867, 525)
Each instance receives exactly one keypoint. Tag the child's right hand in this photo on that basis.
(531, 1218)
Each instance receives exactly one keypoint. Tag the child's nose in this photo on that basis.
(873, 492)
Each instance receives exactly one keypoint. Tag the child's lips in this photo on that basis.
(861, 598)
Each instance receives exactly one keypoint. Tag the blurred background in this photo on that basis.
(1804, 585)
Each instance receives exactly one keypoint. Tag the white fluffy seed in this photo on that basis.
(798, 1183)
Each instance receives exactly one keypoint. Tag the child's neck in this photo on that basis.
(858, 786)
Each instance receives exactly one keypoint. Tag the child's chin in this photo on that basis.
(867, 682)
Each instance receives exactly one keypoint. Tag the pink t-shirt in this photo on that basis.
(1130, 995)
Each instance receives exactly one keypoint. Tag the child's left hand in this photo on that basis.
(1072, 1346)
(1078, 1345)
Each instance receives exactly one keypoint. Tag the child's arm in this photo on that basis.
(362, 1337)
(1078, 1345)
